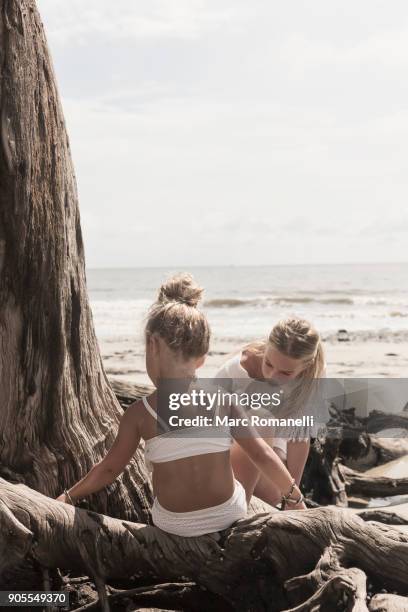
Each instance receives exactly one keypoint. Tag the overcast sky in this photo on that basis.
(236, 132)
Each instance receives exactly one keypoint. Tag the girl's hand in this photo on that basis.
(300, 506)
(62, 498)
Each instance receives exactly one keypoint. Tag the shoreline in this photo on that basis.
(373, 357)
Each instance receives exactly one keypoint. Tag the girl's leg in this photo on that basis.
(264, 489)
(244, 470)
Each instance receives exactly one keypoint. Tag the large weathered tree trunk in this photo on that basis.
(58, 414)
(309, 560)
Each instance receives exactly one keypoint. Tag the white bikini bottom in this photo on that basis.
(206, 520)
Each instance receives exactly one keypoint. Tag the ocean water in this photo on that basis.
(243, 303)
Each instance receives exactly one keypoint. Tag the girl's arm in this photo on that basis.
(297, 454)
(268, 462)
(264, 457)
(114, 462)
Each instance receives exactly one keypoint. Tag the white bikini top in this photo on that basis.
(180, 444)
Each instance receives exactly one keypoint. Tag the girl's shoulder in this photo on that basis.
(231, 368)
(236, 377)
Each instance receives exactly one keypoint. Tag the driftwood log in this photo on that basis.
(357, 483)
(270, 561)
(329, 477)
(359, 447)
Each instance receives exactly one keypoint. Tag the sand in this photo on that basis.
(124, 359)
(370, 359)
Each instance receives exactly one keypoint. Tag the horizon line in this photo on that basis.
(289, 265)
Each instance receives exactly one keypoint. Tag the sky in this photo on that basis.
(231, 132)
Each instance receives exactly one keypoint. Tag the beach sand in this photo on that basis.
(124, 359)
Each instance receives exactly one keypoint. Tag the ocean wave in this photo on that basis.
(279, 300)
(229, 302)
(141, 305)
(310, 300)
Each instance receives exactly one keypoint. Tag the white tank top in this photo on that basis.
(180, 444)
(240, 380)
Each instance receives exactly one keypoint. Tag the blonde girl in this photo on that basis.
(292, 353)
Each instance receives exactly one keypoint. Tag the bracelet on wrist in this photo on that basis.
(292, 487)
(290, 500)
(68, 497)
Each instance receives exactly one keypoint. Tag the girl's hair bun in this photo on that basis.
(175, 318)
(180, 288)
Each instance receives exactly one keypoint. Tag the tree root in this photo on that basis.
(327, 479)
(358, 483)
(334, 583)
(254, 565)
(185, 596)
(387, 518)
(388, 603)
(388, 449)
(378, 421)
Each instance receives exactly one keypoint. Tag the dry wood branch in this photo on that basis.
(330, 584)
(378, 421)
(373, 486)
(185, 596)
(387, 518)
(384, 602)
(246, 564)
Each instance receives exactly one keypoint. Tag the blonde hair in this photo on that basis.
(297, 339)
(174, 317)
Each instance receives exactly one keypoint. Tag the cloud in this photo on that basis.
(76, 21)
(234, 132)
(389, 227)
(386, 50)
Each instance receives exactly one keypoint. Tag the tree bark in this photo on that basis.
(388, 603)
(58, 415)
(378, 421)
(269, 561)
(358, 483)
